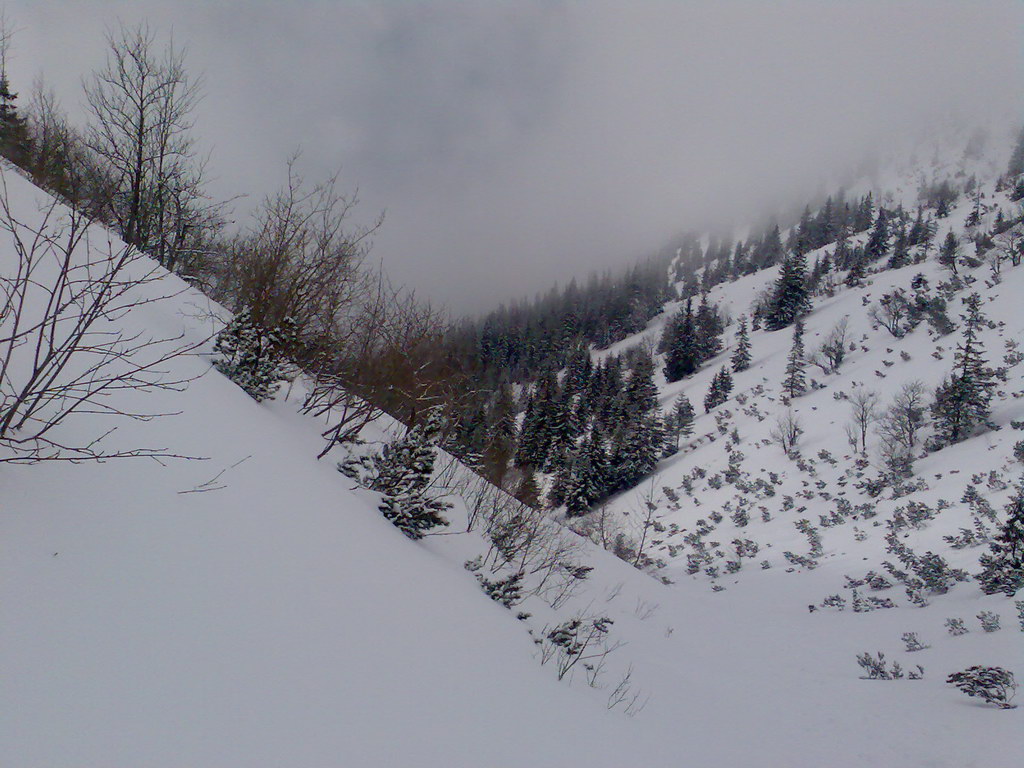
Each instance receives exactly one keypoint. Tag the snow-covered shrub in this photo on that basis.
(989, 621)
(993, 685)
(912, 643)
(956, 627)
(402, 472)
(507, 591)
(1002, 569)
(254, 357)
(876, 668)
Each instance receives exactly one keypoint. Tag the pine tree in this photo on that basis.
(718, 392)
(878, 240)
(15, 141)
(254, 357)
(681, 418)
(1002, 569)
(681, 354)
(636, 448)
(789, 297)
(1016, 165)
(949, 252)
(641, 393)
(741, 355)
(795, 383)
(963, 400)
(402, 472)
(708, 328)
(588, 481)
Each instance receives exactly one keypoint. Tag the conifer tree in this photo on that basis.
(789, 297)
(708, 328)
(720, 389)
(962, 401)
(1016, 165)
(949, 252)
(681, 418)
(254, 357)
(795, 383)
(681, 355)
(402, 472)
(15, 142)
(588, 481)
(878, 240)
(1002, 568)
(741, 355)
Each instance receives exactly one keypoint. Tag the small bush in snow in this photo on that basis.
(989, 621)
(956, 627)
(1020, 613)
(993, 685)
(254, 357)
(876, 668)
(912, 643)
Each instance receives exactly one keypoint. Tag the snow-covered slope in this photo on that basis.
(253, 608)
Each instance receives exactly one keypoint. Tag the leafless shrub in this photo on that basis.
(786, 432)
(832, 352)
(62, 352)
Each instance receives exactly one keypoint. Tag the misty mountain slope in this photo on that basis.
(728, 507)
(276, 619)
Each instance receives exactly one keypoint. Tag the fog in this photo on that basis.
(516, 144)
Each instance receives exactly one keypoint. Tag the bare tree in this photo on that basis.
(832, 352)
(1008, 245)
(864, 413)
(141, 104)
(786, 432)
(892, 312)
(62, 350)
(900, 425)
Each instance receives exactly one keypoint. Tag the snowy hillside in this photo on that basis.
(249, 605)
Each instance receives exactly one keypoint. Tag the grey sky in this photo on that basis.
(513, 144)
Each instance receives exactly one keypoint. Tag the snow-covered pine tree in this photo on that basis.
(878, 240)
(789, 298)
(588, 480)
(963, 401)
(254, 357)
(741, 355)
(718, 392)
(1002, 569)
(708, 328)
(795, 383)
(949, 253)
(1016, 164)
(680, 345)
(402, 471)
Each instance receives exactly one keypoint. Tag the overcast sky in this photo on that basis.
(513, 144)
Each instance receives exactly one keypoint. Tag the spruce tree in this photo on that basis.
(949, 252)
(1002, 569)
(718, 392)
(878, 240)
(681, 418)
(254, 357)
(963, 400)
(1016, 165)
(741, 355)
(15, 142)
(403, 472)
(708, 328)
(795, 383)
(681, 353)
(789, 297)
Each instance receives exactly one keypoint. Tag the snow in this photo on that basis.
(277, 619)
